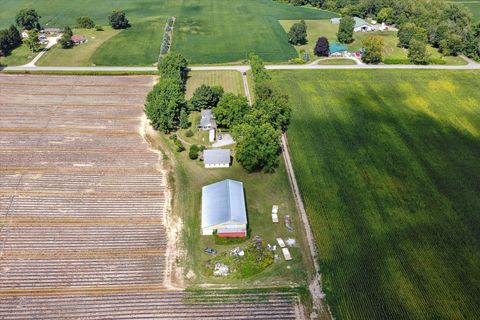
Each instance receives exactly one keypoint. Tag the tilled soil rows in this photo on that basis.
(82, 209)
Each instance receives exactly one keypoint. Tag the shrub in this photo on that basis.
(189, 133)
(296, 61)
(98, 28)
(179, 146)
(193, 152)
(85, 22)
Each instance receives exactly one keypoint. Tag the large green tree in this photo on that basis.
(297, 34)
(373, 46)
(417, 52)
(409, 31)
(32, 41)
(173, 65)
(85, 22)
(28, 19)
(277, 110)
(164, 104)
(118, 20)
(345, 30)
(9, 39)
(206, 97)
(230, 110)
(258, 146)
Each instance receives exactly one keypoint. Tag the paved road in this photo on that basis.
(243, 68)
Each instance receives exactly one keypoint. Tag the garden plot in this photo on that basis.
(83, 209)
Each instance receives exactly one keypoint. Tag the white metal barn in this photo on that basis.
(216, 158)
(224, 210)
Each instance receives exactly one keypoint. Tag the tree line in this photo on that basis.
(446, 26)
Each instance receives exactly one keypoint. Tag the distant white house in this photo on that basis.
(224, 210)
(207, 120)
(360, 24)
(216, 158)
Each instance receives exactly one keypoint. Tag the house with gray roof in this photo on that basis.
(362, 25)
(216, 158)
(223, 209)
(207, 120)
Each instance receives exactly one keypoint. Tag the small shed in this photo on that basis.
(335, 20)
(224, 210)
(216, 158)
(286, 254)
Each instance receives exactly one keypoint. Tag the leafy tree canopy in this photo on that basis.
(118, 20)
(322, 47)
(298, 33)
(85, 23)
(206, 97)
(257, 147)
(373, 50)
(28, 19)
(230, 110)
(345, 30)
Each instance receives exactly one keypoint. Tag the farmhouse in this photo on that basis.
(76, 39)
(207, 121)
(223, 209)
(51, 30)
(362, 25)
(216, 158)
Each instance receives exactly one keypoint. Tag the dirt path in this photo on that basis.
(315, 285)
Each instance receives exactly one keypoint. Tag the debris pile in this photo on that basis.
(221, 270)
(288, 222)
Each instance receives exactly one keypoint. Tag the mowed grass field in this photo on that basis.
(231, 81)
(207, 31)
(388, 167)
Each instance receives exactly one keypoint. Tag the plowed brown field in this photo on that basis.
(82, 203)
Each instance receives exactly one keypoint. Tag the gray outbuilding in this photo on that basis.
(216, 158)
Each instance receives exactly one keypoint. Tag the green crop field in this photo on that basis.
(388, 167)
(207, 31)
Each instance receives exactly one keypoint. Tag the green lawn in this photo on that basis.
(80, 55)
(336, 61)
(231, 81)
(207, 31)
(261, 192)
(388, 167)
(20, 56)
(319, 28)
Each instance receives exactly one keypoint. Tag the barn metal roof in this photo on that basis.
(222, 202)
(216, 156)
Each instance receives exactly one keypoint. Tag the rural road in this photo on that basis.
(243, 68)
